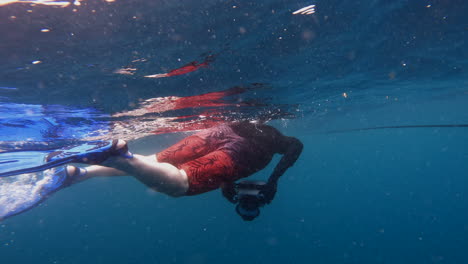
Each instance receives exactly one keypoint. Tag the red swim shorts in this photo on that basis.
(205, 159)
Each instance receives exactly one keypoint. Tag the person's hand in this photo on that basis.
(229, 191)
(269, 192)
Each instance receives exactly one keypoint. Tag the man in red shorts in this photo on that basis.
(205, 161)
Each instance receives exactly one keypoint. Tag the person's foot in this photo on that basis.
(120, 148)
(74, 174)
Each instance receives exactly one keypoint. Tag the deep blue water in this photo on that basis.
(377, 196)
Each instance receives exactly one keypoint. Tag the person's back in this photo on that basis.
(261, 143)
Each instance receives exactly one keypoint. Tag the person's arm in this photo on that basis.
(292, 148)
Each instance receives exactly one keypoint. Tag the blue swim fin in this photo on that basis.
(20, 162)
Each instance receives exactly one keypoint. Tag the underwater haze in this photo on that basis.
(376, 90)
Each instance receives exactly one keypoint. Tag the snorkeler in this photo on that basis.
(208, 160)
(213, 158)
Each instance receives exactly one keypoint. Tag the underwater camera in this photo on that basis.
(249, 199)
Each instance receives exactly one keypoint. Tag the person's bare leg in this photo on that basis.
(162, 177)
(85, 173)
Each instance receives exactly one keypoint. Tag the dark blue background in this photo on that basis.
(385, 196)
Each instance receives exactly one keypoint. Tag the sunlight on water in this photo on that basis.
(39, 2)
(308, 10)
(46, 2)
